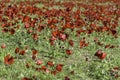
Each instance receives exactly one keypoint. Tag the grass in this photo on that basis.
(91, 70)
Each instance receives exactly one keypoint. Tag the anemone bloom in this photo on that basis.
(50, 63)
(100, 54)
(3, 46)
(67, 78)
(39, 62)
(34, 51)
(8, 59)
(25, 78)
(71, 42)
(103, 55)
(69, 52)
(59, 67)
(62, 36)
(17, 50)
(35, 36)
(54, 72)
(22, 52)
(34, 54)
(12, 31)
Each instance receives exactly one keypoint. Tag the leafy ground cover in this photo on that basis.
(60, 40)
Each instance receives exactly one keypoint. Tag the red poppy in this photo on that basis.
(40, 28)
(17, 27)
(4, 25)
(59, 67)
(117, 76)
(47, 70)
(34, 51)
(3, 46)
(105, 28)
(27, 25)
(50, 63)
(89, 31)
(27, 65)
(8, 59)
(29, 31)
(107, 46)
(22, 52)
(116, 68)
(5, 30)
(25, 78)
(39, 62)
(26, 47)
(35, 36)
(103, 55)
(52, 38)
(100, 44)
(52, 26)
(69, 52)
(62, 36)
(54, 20)
(44, 68)
(96, 39)
(32, 24)
(100, 54)
(67, 78)
(26, 19)
(55, 33)
(114, 32)
(34, 54)
(71, 42)
(49, 22)
(16, 50)
(38, 69)
(52, 42)
(12, 31)
(86, 44)
(112, 46)
(83, 43)
(54, 72)
(34, 77)
(34, 57)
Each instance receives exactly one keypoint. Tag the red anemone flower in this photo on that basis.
(39, 62)
(22, 52)
(50, 63)
(44, 68)
(29, 31)
(3, 46)
(100, 54)
(54, 72)
(16, 50)
(12, 31)
(4, 30)
(69, 52)
(71, 42)
(67, 78)
(25, 78)
(40, 28)
(62, 36)
(103, 55)
(8, 59)
(35, 36)
(34, 52)
(59, 67)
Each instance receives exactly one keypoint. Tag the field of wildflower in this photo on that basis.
(59, 40)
